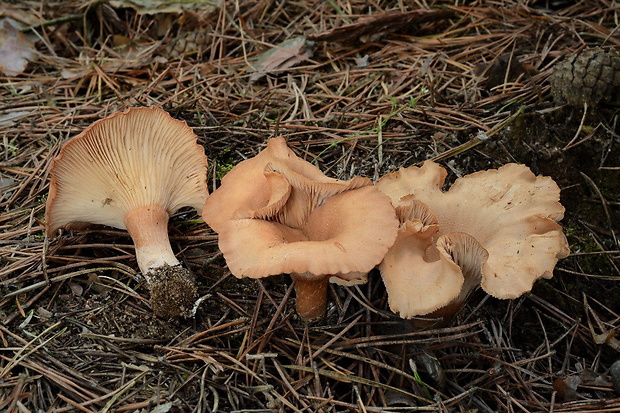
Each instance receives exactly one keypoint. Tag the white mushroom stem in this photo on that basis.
(310, 295)
(131, 171)
(173, 292)
(148, 227)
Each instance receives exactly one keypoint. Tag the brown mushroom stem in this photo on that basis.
(437, 319)
(310, 295)
(173, 292)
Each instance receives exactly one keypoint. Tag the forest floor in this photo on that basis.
(366, 87)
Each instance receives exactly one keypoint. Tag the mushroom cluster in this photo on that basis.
(276, 213)
(496, 228)
(132, 171)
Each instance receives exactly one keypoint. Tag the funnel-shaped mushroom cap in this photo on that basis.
(345, 238)
(411, 181)
(132, 159)
(276, 213)
(499, 225)
(256, 188)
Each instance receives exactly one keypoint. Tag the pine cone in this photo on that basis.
(189, 42)
(592, 77)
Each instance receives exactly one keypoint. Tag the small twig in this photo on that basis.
(583, 118)
(58, 20)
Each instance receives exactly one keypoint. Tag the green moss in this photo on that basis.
(224, 163)
(222, 169)
(581, 241)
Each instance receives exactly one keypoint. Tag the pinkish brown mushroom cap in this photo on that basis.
(250, 190)
(451, 263)
(278, 195)
(130, 159)
(276, 213)
(497, 226)
(131, 171)
(345, 237)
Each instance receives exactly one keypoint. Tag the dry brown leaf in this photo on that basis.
(5, 185)
(397, 399)
(567, 387)
(592, 378)
(168, 6)
(607, 338)
(368, 28)
(15, 48)
(76, 289)
(505, 68)
(21, 14)
(282, 56)
(126, 57)
(11, 118)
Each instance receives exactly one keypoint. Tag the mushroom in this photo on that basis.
(276, 213)
(495, 228)
(132, 170)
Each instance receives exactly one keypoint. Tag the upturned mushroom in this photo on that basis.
(276, 213)
(133, 170)
(496, 228)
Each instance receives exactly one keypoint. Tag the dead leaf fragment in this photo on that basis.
(95, 283)
(433, 368)
(168, 6)
(505, 68)
(282, 56)
(567, 387)
(76, 289)
(608, 337)
(5, 186)
(369, 28)
(10, 118)
(44, 314)
(15, 48)
(397, 399)
(19, 13)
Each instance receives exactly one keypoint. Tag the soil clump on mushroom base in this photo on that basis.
(173, 290)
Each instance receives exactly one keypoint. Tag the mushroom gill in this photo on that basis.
(133, 170)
